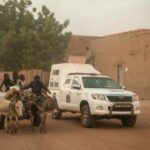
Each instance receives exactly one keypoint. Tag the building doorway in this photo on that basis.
(120, 74)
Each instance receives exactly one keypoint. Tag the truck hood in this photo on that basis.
(112, 92)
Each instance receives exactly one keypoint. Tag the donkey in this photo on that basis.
(11, 119)
(11, 109)
(47, 105)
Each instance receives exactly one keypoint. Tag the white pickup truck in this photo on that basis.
(81, 88)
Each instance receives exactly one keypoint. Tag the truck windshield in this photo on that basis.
(100, 82)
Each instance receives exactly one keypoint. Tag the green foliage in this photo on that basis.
(30, 39)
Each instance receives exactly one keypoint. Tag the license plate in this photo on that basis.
(122, 105)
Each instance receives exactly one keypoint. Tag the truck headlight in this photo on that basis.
(98, 97)
(135, 98)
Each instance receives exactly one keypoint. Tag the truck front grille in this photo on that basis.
(120, 98)
(122, 109)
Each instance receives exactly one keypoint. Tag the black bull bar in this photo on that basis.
(125, 107)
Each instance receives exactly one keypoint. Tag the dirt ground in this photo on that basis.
(67, 134)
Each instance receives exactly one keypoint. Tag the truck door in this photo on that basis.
(65, 95)
(75, 93)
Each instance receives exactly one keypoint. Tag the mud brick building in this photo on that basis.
(124, 56)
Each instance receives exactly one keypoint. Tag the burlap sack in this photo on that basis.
(4, 104)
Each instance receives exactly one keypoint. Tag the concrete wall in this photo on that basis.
(130, 49)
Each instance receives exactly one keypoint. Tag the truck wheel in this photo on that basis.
(2, 118)
(56, 112)
(87, 120)
(128, 121)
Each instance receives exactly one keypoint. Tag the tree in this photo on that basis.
(30, 39)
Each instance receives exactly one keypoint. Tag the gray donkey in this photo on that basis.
(11, 119)
(47, 105)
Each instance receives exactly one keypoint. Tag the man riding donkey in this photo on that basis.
(40, 102)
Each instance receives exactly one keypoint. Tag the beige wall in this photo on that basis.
(132, 50)
(79, 44)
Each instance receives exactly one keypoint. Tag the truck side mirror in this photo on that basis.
(76, 86)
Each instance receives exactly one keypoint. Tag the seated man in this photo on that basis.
(36, 86)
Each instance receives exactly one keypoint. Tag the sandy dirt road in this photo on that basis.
(67, 134)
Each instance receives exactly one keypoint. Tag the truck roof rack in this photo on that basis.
(77, 73)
